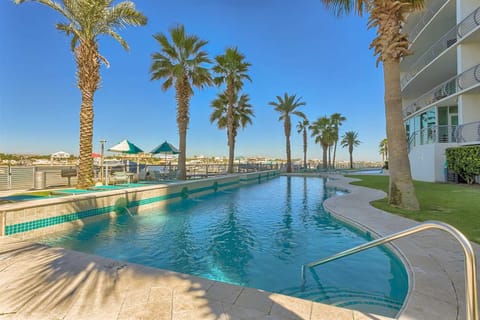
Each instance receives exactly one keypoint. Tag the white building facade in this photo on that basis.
(441, 83)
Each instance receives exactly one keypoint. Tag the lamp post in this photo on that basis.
(102, 142)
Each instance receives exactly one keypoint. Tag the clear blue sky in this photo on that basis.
(294, 46)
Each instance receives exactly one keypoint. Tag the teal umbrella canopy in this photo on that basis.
(126, 146)
(166, 148)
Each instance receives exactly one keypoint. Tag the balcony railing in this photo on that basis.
(434, 51)
(463, 81)
(434, 134)
(447, 40)
(424, 19)
(469, 132)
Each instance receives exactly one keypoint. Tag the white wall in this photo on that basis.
(427, 162)
(470, 107)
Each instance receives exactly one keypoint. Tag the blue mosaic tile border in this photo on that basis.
(47, 222)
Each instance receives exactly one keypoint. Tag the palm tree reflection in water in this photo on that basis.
(231, 246)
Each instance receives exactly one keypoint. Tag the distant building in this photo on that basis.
(441, 83)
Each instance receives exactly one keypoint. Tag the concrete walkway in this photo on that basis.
(39, 282)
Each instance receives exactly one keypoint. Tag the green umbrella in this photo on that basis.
(166, 148)
(125, 146)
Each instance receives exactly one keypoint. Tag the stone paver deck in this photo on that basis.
(39, 282)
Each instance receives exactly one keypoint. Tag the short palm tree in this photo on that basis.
(242, 113)
(391, 45)
(287, 106)
(383, 148)
(323, 132)
(181, 63)
(337, 120)
(350, 140)
(302, 127)
(86, 21)
(231, 69)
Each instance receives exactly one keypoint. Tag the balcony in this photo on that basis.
(469, 132)
(471, 22)
(434, 134)
(427, 15)
(453, 86)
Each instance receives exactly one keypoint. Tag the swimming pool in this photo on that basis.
(256, 236)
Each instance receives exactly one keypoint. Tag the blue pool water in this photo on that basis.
(257, 236)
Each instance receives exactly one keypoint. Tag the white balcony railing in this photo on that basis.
(463, 81)
(469, 132)
(434, 51)
(424, 19)
(468, 24)
(434, 134)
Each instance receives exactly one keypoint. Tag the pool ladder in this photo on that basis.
(470, 262)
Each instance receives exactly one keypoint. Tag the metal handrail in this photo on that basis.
(470, 262)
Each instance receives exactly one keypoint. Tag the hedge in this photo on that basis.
(464, 161)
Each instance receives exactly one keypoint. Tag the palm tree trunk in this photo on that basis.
(401, 189)
(287, 137)
(351, 156)
(231, 145)
(88, 74)
(335, 152)
(329, 156)
(305, 148)
(325, 151)
(182, 96)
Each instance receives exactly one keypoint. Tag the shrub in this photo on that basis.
(464, 161)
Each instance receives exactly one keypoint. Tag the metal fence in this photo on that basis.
(32, 177)
(41, 177)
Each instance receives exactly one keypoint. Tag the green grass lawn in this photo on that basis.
(455, 204)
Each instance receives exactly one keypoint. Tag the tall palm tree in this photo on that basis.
(181, 64)
(383, 148)
(323, 132)
(86, 21)
(231, 69)
(337, 120)
(302, 127)
(287, 106)
(350, 140)
(388, 16)
(242, 113)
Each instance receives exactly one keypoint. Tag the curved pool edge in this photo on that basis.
(434, 261)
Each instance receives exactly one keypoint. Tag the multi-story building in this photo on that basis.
(441, 83)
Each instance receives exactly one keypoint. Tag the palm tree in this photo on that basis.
(383, 146)
(180, 63)
(86, 22)
(350, 140)
(390, 45)
(287, 106)
(323, 132)
(242, 113)
(231, 69)
(302, 127)
(337, 120)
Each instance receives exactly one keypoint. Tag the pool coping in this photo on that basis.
(434, 260)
